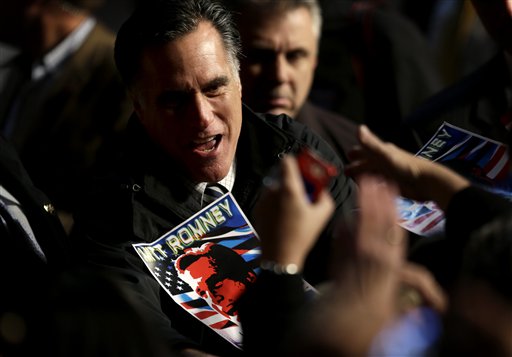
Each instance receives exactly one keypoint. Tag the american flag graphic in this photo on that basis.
(423, 218)
(484, 161)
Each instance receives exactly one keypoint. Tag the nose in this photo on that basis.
(279, 70)
(200, 112)
(219, 298)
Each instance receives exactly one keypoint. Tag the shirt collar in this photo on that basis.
(63, 50)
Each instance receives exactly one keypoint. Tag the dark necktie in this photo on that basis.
(212, 192)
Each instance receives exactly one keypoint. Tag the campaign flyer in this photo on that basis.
(206, 263)
(483, 161)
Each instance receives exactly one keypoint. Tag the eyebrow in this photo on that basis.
(209, 86)
(215, 83)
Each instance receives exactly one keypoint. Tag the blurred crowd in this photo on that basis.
(119, 120)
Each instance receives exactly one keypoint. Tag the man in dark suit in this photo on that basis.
(61, 98)
(180, 60)
(280, 44)
(30, 232)
(480, 102)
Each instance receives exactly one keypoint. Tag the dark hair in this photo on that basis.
(233, 265)
(156, 22)
(245, 8)
(88, 5)
(488, 255)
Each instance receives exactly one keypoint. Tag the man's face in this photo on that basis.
(281, 56)
(188, 97)
(225, 293)
(496, 15)
(221, 293)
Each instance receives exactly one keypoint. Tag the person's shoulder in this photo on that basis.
(299, 131)
(297, 134)
(97, 50)
(268, 124)
(311, 113)
(102, 35)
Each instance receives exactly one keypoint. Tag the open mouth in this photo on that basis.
(207, 145)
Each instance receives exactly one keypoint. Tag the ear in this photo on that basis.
(34, 7)
(252, 277)
(239, 86)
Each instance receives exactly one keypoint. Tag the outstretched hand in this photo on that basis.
(376, 157)
(417, 178)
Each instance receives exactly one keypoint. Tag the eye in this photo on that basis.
(296, 55)
(218, 285)
(172, 100)
(213, 92)
(201, 293)
(216, 87)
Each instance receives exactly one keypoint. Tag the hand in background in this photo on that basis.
(368, 262)
(287, 223)
(362, 298)
(419, 288)
(417, 178)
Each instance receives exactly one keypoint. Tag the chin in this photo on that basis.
(211, 174)
(279, 111)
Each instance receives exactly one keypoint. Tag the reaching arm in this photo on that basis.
(417, 178)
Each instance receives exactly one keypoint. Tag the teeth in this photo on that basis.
(206, 145)
(204, 141)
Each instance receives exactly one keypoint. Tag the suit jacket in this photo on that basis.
(145, 197)
(42, 219)
(339, 132)
(64, 120)
(476, 103)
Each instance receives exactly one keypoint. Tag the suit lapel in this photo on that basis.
(60, 95)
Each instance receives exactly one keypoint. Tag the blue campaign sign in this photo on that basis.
(483, 161)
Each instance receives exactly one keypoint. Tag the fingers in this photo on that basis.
(378, 230)
(291, 177)
(420, 283)
(367, 157)
(286, 221)
(378, 247)
(324, 206)
(368, 139)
